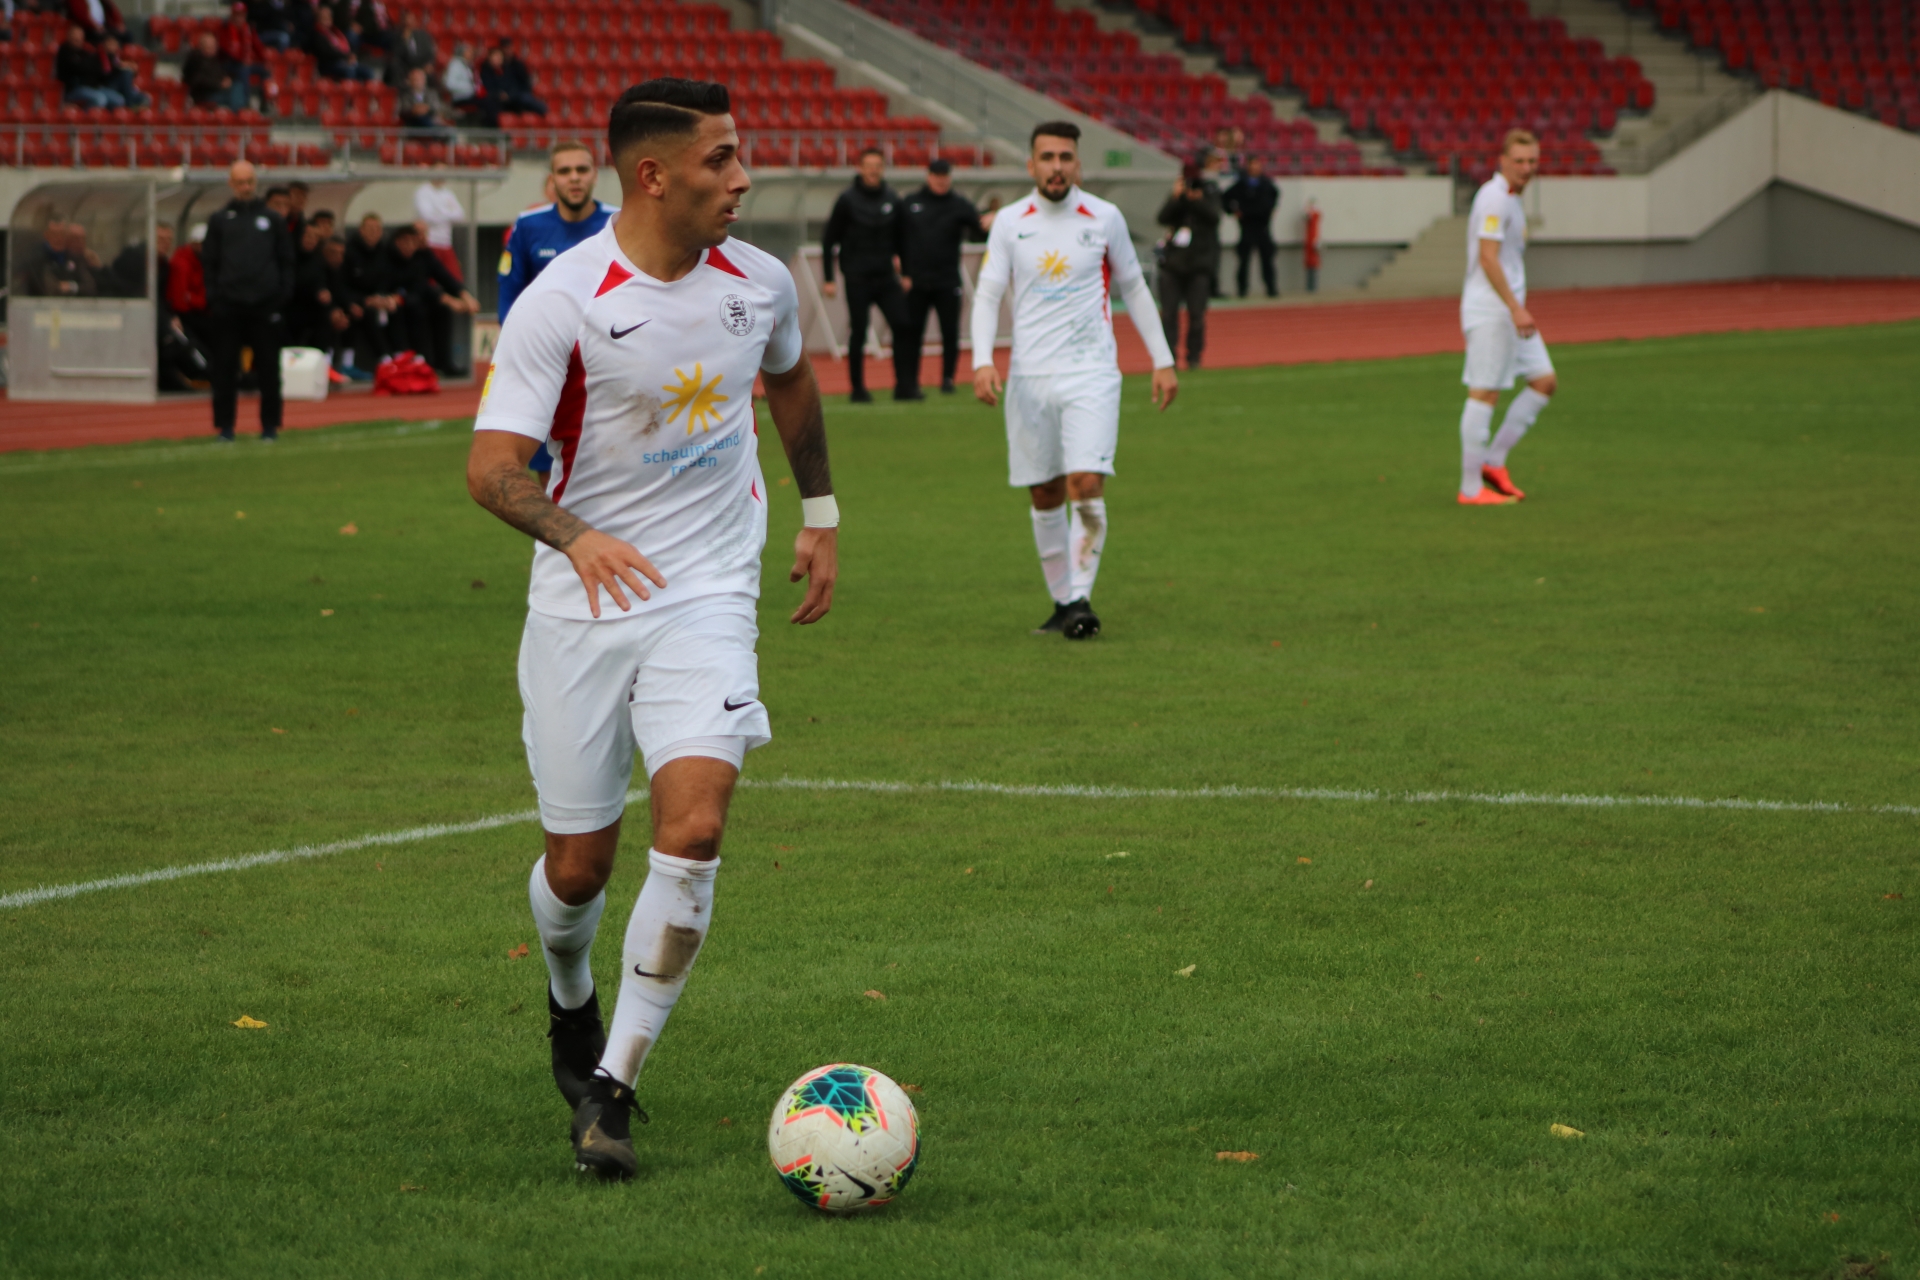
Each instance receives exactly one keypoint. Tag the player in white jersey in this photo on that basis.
(1062, 252)
(634, 356)
(1503, 343)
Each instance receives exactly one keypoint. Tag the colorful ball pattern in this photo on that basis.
(844, 1138)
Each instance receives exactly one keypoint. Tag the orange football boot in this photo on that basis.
(1498, 479)
(1485, 498)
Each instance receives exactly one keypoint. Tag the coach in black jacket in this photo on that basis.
(939, 220)
(248, 258)
(867, 233)
(1253, 199)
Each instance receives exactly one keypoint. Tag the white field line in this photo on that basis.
(50, 893)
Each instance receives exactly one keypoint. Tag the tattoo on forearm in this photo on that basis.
(807, 455)
(512, 493)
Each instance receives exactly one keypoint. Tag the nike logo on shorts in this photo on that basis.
(617, 334)
(730, 705)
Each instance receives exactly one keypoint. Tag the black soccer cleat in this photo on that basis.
(860, 395)
(1054, 622)
(603, 1132)
(1081, 622)
(578, 1041)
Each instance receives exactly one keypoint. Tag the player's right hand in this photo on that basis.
(986, 385)
(1523, 322)
(604, 561)
(829, 288)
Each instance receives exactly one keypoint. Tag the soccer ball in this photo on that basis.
(844, 1138)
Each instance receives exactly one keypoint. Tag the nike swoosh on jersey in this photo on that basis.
(1022, 235)
(617, 334)
(728, 704)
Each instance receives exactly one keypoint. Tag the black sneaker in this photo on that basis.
(946, 386)
(578, 1041)
(1055, 622)
(1081, 622)
(861, 395)
(602, 1130)
(909, 393)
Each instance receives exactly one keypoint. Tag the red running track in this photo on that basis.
(1238, 337)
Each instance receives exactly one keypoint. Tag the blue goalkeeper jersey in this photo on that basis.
(535, 239)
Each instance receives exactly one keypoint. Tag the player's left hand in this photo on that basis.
(816, 557)
(1166, 385)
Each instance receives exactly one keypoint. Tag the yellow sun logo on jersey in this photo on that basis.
(698, 398)
(1054, 265)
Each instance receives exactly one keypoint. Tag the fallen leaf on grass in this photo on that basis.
(348, 529)
(1564, 1131)
(1893, 897)
(1367, 885)
(248, 1023)
(517, 953)
(1833, 1217)
(1305, 862)
(784, 482)
(969, 871)
(875, 995)
(1186, 972)
(1238, 1157)
(279, 730)
(726, 1122)
(326, 613)
(478, 585)
(239, 515)
(411, 1186)
(913, 1088)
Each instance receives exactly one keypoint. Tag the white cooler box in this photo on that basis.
(303, 373)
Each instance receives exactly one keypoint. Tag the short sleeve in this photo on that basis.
(1489, 222)
(1121, 255)
(784, 347)
(530, 365)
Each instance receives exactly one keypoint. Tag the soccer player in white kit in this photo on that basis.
(633, 356)
(1503, 343)
(1062, 252)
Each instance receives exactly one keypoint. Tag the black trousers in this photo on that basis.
(235, 326)
(1262, 244)
(944, 302)
(882, 291)
(1190, 289)
(424, 326)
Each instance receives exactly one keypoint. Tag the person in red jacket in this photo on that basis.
(240, 45)
(1312, 220)
(98, 18)
(187, 284)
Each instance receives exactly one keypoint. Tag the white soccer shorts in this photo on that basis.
(1061, 422)
(1497, 356)
(663, 680)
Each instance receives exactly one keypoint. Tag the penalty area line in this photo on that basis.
(56, 892)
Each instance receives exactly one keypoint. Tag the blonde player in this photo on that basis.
(1503, 343)
(1062, 252)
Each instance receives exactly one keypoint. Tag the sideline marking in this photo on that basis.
(51, 893)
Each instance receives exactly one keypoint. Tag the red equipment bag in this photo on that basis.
(405, 375)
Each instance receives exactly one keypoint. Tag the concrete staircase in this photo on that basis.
(1691, 93)
(1431, 266)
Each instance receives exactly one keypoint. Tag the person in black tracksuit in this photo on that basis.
(939, 220)
(867, 234)
(248, 259)
(429, 296)
(1253, 199)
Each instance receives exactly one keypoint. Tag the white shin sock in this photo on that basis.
(566, 937)
(1520, 415)
(1475, 421)
(1050, 539)
(1088, 539)
(669, 923)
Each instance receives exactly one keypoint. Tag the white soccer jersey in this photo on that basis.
(643, 391)
(1497, 215)
(1062, 260)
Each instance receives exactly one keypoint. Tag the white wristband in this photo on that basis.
(820, 513)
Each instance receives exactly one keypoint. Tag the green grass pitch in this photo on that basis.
(1710, 593)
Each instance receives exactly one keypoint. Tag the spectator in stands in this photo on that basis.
(412, 47)
(297, 193)
(457, 79)
(205, 74)
(345, 314)
(369, 273)
(419, 106)
(374, 25)
(430, 298)
(62, 269)
(332, 51)
(1191, 260)
(120, 77)
(309, 311)
(127, 276)
(323, 221)
(82, 72)
(187, 284)
(182, 361)
(246, 56)
(248, 260)
(507, 85)
(1253, 200)
(98, 18)
(867, 232)
(435, 210)
(274, 23)
(1310, 245)
(938, 221)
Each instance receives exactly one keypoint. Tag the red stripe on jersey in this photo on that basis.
(617, 275)
(753, 487)
(1030, 210)
(568, 416)
(1106, 288)
(1083, 211)
(719, 260)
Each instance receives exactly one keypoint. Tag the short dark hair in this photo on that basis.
(666, 107)
(405, 229)
(869, 151)
(297, 185)
(323, 215)
(277, 191)
(1055, 129)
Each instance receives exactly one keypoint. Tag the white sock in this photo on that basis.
(1088, 538)
(566, 937)
(669, 923)
(1520, 415)
(1050, 539)
(1475, 421)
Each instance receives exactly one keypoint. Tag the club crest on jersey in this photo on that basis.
(1088, 239)
(736, 315)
